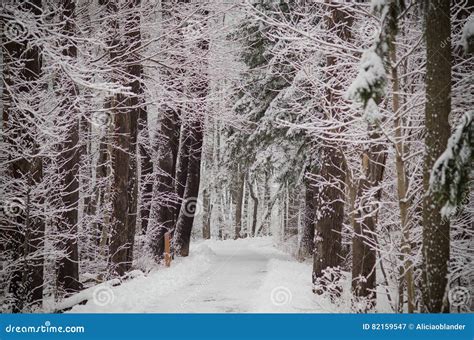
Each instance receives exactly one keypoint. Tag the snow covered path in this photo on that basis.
(231, 285)
(247, 275)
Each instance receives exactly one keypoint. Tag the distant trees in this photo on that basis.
(262, 154)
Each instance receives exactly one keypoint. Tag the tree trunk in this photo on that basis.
(330, 215)
(365, 221)
(436, 245)
(306, 247)
(330, 198)
(165, 200)
(264, 228)
(255, 207)
(135, 104)
(206, 217)
(198, 88)
(181, 170)
(22, 70)
(402, 184)
(182, 235)
(120, 159)
(126, 113)
(102, 189)
(284, 203)
(146, 182)
(239, 198)
(68, 266)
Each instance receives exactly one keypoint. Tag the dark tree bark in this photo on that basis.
(306, 247)
(198, 91)
(255, 207)
(206, 217)
(165, 200)
(365, 222)
(182, 169)
(136, 107)
(182, 235)
(330, 198)
(268, 204)
(22, 70)
(164, 191)
(146, 171)
(284, 214)
(292, 218)
(120, 159)
(239, 198)
(126, 111)
(208, 165)
(103, 170)
(436, 244)
(330, 214)
(68, 266)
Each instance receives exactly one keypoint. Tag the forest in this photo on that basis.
(320, 150)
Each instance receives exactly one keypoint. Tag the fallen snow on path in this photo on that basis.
(248, 275)
(232, 276)
(136, 295)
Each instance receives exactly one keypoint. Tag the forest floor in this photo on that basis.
(236, 276)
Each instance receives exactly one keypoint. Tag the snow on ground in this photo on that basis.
(134, 296)
(286, 288)
(232, 276)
